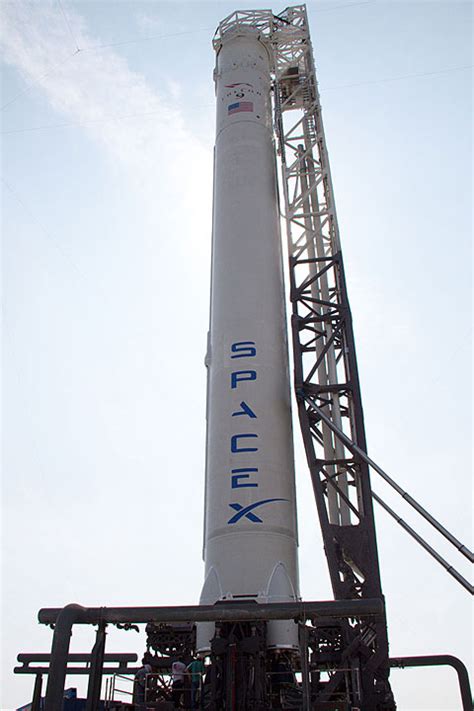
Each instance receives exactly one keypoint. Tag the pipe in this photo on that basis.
(440, 660)
(65, 619)
(223, 612)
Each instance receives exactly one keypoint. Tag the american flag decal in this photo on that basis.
(239, 106)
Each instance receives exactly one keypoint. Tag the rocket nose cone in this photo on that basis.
(211, 590)
(280, 588)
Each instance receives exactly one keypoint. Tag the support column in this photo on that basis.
(305, 679)
(36, 702)
(95, 675)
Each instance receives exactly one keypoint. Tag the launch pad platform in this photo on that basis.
(240, 675)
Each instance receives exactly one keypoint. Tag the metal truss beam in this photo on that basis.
(326, 376)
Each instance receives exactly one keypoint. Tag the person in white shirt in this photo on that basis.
(178, 670)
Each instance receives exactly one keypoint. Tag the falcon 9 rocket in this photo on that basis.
(250, 530)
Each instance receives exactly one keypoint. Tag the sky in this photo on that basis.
(107, 129)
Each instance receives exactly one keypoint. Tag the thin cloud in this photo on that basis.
(93, 87)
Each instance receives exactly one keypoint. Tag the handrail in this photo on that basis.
(352, 447)
(449, 568)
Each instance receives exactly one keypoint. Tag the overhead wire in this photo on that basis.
(42, 227)
(346, 5)
(22, 392)
(399, 78)
(89, 123)
(68, 25)
(54, 67)
(146, 39)
(138, 40)
(201, 29)
(86, 281)
(446, 70)
(39, 79)
(56, 243)
(79, 50)
(195, 31)
(150, 113)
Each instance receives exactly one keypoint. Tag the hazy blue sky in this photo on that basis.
(107, 187)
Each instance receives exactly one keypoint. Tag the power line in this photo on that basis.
(340, 7)
(145, 39)
(67, 257)
(205, 29)
(91, 49)
(42, 227)
(88, 123)
(68, 25)
(402, 76)
(151, 113)
(39, 79)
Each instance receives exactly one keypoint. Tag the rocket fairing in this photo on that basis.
(250, 531)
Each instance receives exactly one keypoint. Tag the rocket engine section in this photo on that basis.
(250, 531)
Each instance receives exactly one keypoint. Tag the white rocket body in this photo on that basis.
(250, 534)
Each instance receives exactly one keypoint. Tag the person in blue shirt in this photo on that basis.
(196, 670)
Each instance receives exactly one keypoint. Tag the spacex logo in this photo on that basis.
(246, 442)
(247, 511)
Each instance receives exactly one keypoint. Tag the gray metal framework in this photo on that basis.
(321, 631)
(230, 612)
(323, 342)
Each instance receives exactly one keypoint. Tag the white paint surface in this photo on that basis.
(248, 353)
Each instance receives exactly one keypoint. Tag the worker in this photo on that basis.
(139, 686)
(196, 670)
(178, 670)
